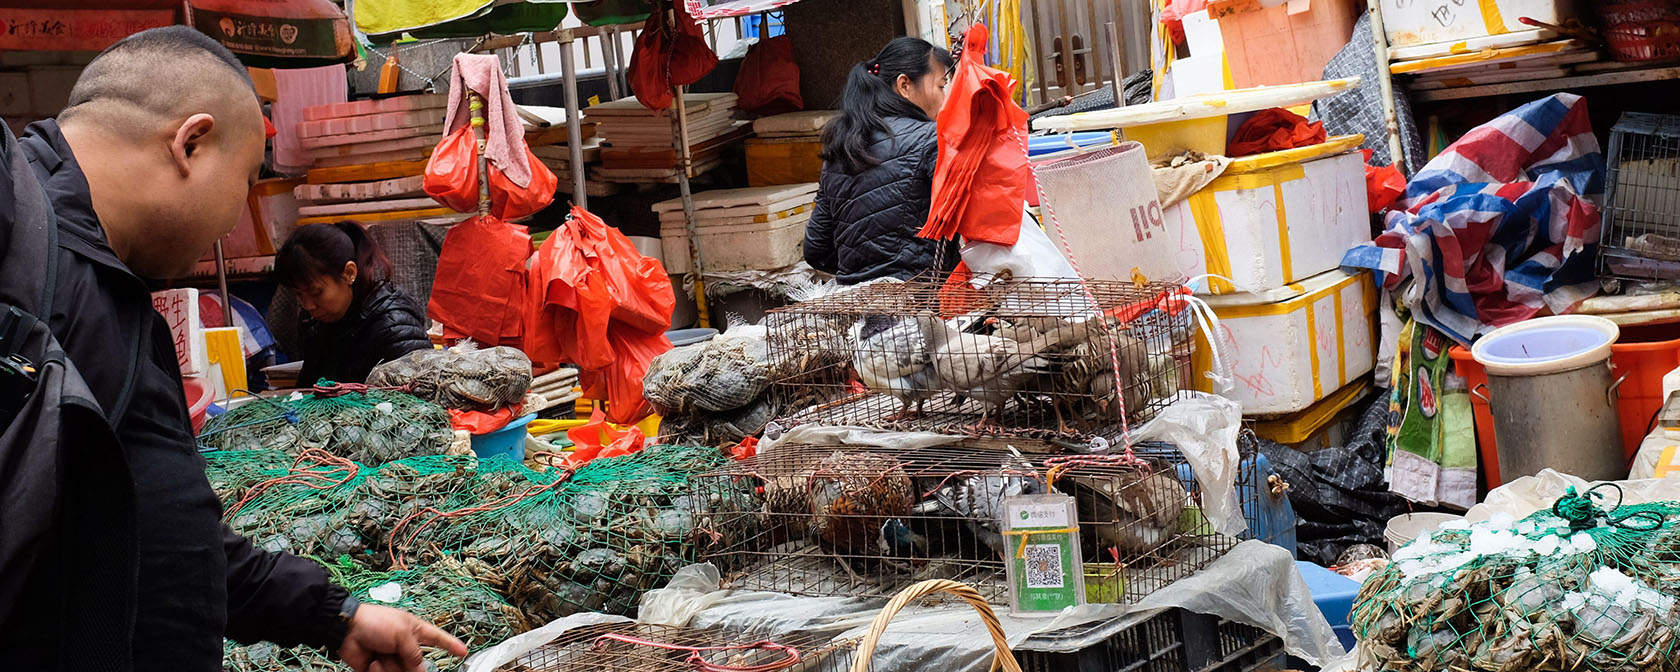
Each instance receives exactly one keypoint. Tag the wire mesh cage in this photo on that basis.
(868, 521)
(1641, 238)
(1175, 640)
(1019, 357)
(641, 647)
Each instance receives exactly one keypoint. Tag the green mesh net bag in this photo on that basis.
(399, 493)
(592, 541)
(304, 509)
(232, 472)
(370, 426)
(1585, 586)
(440, 594)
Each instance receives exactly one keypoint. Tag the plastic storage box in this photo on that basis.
(772, 161)
(1174, 640)
(1334, 595)
(1289, 348)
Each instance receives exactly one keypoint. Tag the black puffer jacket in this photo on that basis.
(864, 225)
(382, 326)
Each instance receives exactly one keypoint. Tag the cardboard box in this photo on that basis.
(1284, 44)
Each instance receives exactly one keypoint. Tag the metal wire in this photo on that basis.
(791, 520)
(1641, 238)
(640, 647)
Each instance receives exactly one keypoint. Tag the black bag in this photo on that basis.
(67, 548)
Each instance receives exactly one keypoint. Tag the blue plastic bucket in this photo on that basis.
(508, 441)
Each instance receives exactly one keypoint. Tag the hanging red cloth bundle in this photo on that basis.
(479, 289)
(595, 301)
(666, 56)
(980, 183)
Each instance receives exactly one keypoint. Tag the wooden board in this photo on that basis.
(365, 172)
(631, 107)
(591, 152)
(1573, 83)
(381, 216)
(364, 207)
(401, 187)
(368, 137)
(651, 176)
(795, 215)
(376, 106)
(591, 187)
(624, 157)
(751, 196)
(556, 135)
(373, 147)
(372, 122)
(406, 155)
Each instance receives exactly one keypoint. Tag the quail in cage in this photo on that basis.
(1136, 512)
(990, 368)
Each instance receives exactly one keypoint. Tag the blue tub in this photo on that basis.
(1334, 595)
(507, 442)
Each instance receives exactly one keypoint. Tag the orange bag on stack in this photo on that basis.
(980, 183)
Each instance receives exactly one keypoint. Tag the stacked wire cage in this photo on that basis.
(1641, 233)
(869, 521)
(642, 647)
(1052, 359)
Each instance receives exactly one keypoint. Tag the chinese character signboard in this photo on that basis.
(179, 307)
(74, 29)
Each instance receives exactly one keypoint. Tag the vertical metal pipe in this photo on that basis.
(574, 129)
(685, 167)
(609, 60)
(475, 103)
(221, 285)
(1385, 78)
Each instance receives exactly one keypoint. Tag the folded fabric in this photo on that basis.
(1275, 130)
(504, 139)
(1177, 177)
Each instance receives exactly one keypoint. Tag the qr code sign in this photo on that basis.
(1044, 566)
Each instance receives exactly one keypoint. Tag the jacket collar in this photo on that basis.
(72, 199)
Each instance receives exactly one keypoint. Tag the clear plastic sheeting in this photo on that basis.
(1255, 584)
(1205, 427)
(1529, 494)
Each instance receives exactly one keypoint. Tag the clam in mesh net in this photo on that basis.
(441, 594)
(593, 541)
(369, 426)
(1583, 586)
(461, 377)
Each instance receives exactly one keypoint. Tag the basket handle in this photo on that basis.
(1004, 657)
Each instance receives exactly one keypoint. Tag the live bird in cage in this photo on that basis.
(989, 368)
(978, 499)
(850, 502)
(1134, 510)
(891, 357)
(1081, 381)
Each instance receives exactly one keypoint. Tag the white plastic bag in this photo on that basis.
(1529, 494)
(1032, 256)
(1204, 427)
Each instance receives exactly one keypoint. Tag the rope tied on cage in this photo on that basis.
(397, 540)
(1064, 464)
(315, 479)
(699, 662)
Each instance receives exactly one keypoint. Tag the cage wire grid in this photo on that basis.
(869, 521)
(1641, 235)
(1019, 358)
(642, 647)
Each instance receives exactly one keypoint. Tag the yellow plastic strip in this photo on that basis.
(1291, 305)
(1025, 535)
(1666, 463)
(1491, 17)
(1485, 55)
(1256, 180)
(378, 216)
(1341, 345)
(1205, 210)
(1312, 343)
(1334, 145)
(1286, 261)
(1297, 427)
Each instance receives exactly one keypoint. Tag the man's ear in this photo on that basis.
(189, 138)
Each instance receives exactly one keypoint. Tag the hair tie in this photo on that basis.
(875, 69)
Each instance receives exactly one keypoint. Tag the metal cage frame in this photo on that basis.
(1640, 237)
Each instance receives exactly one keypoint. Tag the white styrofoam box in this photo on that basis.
(1291, 347)
(1090, 198)
(14, 94)
(1408, 23)
(1274, 218)
(776, 242)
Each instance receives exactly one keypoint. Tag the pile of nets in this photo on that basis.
(441, 594)
(1584, 586)
(713, 393)
(369, 426)
(595, 541)
(461, 377)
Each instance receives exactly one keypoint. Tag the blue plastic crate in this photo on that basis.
(1334, 595)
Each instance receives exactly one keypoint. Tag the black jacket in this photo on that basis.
(382, 326)
(198, 581)
(864, 225)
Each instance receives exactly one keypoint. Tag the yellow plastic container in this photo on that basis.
(1298, 428)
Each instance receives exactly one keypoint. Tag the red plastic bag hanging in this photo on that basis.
(510, 201)
(980, 183)
(480, 285)
(691, 57)
(452, 172)
(667, 56)
(1275, 130)
(768, 82)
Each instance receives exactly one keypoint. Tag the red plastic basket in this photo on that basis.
(1641, 30)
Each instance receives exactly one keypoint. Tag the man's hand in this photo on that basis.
(382, 639)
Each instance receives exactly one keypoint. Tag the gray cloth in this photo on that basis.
(1361, 110)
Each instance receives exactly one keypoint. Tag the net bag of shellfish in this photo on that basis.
(725, 373)
(592, 541)
(232, 473)
(463, 377)
(303, 509)
(1587, 585)
(440, 594)
(370, 426)
(418, 487)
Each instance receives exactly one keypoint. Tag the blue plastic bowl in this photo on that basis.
(508, 441)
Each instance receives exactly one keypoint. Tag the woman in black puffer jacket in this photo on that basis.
(358, 319)
(877, 176)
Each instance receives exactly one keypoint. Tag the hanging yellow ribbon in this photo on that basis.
(1026, 535)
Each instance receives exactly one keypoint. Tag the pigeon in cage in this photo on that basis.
(990, 368)
(891, 357)
(978, 499)
(1134, 511)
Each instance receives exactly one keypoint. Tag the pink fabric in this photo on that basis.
(295, 90)
(504, 139)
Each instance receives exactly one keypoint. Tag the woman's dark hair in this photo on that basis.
(315, 250)
(870, 98)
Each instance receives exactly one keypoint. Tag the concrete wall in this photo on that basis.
(36, 84)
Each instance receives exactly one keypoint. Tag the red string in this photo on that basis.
(330, 390)
(316, 478)
(437, 515)
(700, 663)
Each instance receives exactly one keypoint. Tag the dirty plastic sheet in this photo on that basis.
(1529, 494)
(1255, 583)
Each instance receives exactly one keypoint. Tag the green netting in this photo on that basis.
(233, 472)
(371, 427)
(302, 509)
(595, 541)
(441, 594)
(1579, 587)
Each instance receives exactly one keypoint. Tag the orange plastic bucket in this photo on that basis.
(1642, 354)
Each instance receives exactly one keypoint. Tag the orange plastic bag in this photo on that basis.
(768, 82)
(510, 201)
(480, 287)
(452, 172)
(691, 57)
(666, 57)
(1275, 130)
(599, 439)
(1383, 186)
(980, 182)
(483, 422)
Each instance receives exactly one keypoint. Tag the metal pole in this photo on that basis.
(475, 103)
(609, 61)
(685, 165)
(574, 131)
(623, 73)
(1118, 55)
(1385, 78)
(221, 284)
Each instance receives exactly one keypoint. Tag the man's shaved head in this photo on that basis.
(168, 129)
